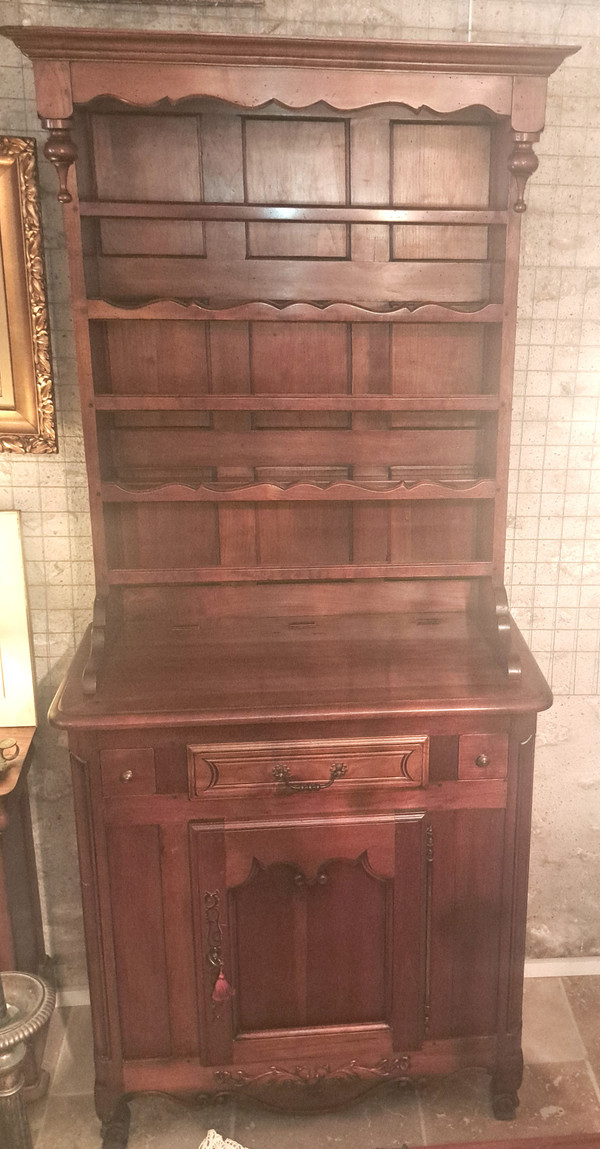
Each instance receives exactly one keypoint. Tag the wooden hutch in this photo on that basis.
(302, 727)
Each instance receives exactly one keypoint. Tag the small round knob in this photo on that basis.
(126, 776)
(9, 749)
(482, 761)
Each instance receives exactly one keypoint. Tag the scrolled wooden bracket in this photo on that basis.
(495, 619)
(61, 150)
(97, 644)
(523, 162)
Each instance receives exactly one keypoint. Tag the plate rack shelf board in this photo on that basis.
(302, 723)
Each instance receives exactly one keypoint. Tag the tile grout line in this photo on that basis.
(232, 1119)
(38, 1140)
(39, 1137)
(593, 1080)
(573, 1019)
(534, 968)
(588, 1064)
(421, 1116)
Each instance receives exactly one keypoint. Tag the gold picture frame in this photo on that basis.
(27, 414)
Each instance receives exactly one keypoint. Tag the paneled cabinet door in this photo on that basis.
(314, 924)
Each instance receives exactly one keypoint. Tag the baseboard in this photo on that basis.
(70, 997)
(563, 967)
(534, 967)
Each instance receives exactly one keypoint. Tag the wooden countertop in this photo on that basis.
(241, 669)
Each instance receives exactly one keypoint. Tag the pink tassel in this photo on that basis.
(222, 989)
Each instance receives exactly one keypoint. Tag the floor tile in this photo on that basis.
(156, 1123)
(36, 1115)
(70, 1123)
(385, 1119)
(55, 1038)
(36, 1110)
(556, 1098)
(163, 1123)
(75, 1066)
(583, 994)
(549, 1029)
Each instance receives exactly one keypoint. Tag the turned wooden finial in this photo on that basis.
(523, 162)
(61, 150)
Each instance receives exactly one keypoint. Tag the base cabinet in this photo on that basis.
(311, 940)
(319, 923)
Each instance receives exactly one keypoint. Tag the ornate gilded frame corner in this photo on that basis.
(27, 414)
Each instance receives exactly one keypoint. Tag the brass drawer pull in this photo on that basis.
(126, 776)
(282, 774)
(482, 761)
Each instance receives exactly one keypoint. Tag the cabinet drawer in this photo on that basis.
(483, 756)
(243, 769)
(128, 771)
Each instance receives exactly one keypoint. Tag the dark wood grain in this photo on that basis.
(303, 762)
(154, 402)
(338, 666)
(135, 885)
(178, 47)
(296, 312)
(305, 213)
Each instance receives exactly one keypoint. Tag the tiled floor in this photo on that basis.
(560, 1093)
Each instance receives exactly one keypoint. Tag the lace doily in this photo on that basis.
(213, 1140)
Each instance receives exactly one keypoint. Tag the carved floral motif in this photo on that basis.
(22, 151)
(310, 1076)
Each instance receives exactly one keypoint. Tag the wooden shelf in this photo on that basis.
(296, 402)
(296, 312)
(246, 212)
(300, 492)
(269, 671)
(193, 575)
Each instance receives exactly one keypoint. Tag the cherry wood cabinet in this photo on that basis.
(302, 723)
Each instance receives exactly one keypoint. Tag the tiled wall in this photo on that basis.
(554, 541)
(553, 572)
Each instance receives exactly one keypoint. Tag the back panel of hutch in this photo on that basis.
(302, 731)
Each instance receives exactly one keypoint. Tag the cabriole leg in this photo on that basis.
(115, 1130)
(505, 1083)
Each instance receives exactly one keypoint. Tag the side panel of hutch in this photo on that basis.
(302, 725)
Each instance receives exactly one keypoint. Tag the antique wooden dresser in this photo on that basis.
(302, 726)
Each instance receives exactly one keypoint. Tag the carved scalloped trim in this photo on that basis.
(439, 108)
(313, 879)
(266, 309)
(307, 490)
